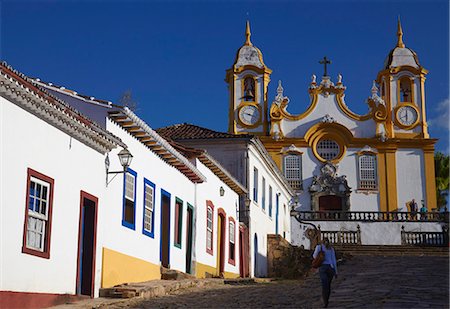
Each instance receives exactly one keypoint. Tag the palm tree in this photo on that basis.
(441, 167)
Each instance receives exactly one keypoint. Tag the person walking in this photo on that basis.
(328, 269)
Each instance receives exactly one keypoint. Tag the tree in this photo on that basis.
(441, 166)
(127, 100)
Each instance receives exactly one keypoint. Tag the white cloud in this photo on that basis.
(440, 115)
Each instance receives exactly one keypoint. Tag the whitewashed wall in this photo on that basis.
(328, 106)
(29, 142)
(261, 223)
(229, 202)
(372, 233)
(134, 243)
(410, 177)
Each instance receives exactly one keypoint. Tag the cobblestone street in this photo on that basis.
(363, 282)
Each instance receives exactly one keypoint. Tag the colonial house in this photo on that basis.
(167, 209)
(266, 208)
(52, 193)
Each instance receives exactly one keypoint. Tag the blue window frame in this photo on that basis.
(129, 199)
(148, 220)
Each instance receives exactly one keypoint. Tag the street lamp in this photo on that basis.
(125, 158)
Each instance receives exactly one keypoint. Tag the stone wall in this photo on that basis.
(285, 260)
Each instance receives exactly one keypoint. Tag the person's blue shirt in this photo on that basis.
(330, 256)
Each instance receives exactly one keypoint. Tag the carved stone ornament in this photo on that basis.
(328, 119)
(329, 183)
(379, 112)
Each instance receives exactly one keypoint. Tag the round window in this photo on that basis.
(328, 149)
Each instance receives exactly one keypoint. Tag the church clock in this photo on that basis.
(407, 116)
(249, 115)
(248, 80)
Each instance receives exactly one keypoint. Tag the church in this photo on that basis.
(334, 158)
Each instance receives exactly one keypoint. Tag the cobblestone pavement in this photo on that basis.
(363, 282)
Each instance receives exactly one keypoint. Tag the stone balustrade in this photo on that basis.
(371, 216)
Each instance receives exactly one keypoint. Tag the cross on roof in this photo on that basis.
(325, 61)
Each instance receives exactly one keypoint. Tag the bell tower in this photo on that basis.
(248, 80)
(402, 87)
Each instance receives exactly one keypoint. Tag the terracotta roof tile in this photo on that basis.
(190, 131)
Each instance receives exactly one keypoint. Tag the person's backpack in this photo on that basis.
(317, 262)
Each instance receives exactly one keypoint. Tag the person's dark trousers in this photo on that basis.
(326, 273)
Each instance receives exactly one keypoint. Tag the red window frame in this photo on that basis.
(209, 204)
(48, 227)
(231, 261)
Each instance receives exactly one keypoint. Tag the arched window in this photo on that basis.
(405, 90)
(367, 171)
(249, 89)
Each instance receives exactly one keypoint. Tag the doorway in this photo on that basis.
(221, 241)
(164, 253)
(330, 203)
(87, 233)
(189, 237)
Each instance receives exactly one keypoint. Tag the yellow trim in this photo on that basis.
(349, 113)
(430, 178)
(422, 96)
(218, 244)
(334, 131)
(202, 269)
(391, 179)
(397, 120)
(120, 268)
(381, 160)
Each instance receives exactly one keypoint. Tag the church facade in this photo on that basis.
(334, 158)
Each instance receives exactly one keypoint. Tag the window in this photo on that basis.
(232, 239)
(178, 222)
(292, 164)
(249, 89)
(129, 198)
(255, 184)
(149, 202)
(209, 227)
(367, 172)
(328, 149)
(405, 90)
(263, 200)
(270, 201)
(38, 213)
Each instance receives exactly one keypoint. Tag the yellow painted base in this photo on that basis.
(120, 268)
(202, 269)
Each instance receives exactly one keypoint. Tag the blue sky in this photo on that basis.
(173, 55)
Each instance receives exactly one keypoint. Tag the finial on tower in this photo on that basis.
(400, 34)
(248, 34)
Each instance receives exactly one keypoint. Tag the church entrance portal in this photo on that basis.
(330, 203)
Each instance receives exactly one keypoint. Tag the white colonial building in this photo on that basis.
(266, 208)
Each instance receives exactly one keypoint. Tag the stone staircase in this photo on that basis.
(150, 289)
(392, 250)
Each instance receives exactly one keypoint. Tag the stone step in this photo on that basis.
(172, 274)
(393, 250)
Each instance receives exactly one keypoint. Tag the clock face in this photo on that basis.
(249, 115)
(407, 115)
